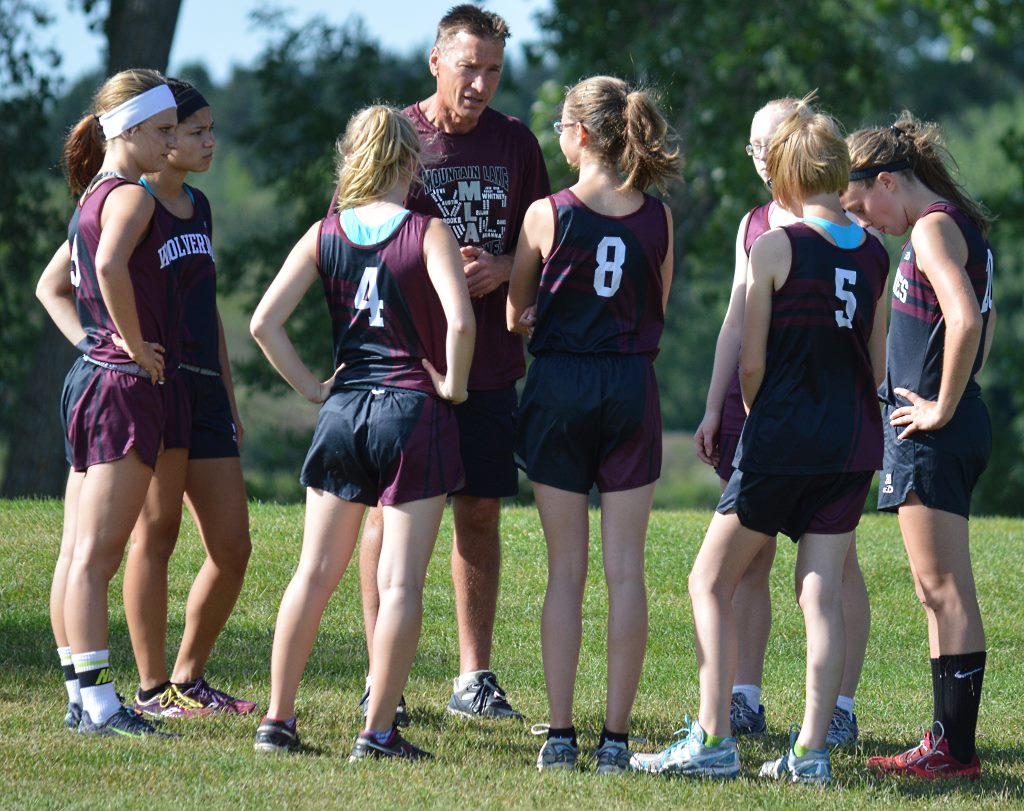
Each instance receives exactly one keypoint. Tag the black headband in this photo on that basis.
(189, 101)
(875, 171)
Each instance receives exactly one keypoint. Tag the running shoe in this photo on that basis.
(842, 729)
(73, 716)
(171, 703)
(401, 711)
(612, 757)
(813, 767)
(744, 719)
(395, 746)
(483, 698)
(218, 700)
(125, 722)
(690, 756)
(557, 754)
(930, 759)
(277, 736)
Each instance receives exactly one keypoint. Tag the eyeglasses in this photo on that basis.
(756, 150)
(561, 125)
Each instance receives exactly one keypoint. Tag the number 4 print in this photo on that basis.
(367, 297)
(844, 317)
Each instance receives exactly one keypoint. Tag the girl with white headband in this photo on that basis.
(115, 415)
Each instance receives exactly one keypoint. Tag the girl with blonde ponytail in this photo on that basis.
(403, 331)
(117, 305)
(590, 285)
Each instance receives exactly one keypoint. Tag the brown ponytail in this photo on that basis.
(919, 143)
(85, 145)
(625, 129)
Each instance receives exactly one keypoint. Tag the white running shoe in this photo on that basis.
(691, 757)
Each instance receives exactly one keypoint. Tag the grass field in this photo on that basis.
(213, 765)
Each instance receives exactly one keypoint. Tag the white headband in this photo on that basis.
(136, 110)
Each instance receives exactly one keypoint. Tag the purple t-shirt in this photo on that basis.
(480, 184)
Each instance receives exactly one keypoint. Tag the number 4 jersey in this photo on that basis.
(817, 410)
(601, 287)
(386, 314)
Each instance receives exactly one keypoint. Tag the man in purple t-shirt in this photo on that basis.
(483, 170)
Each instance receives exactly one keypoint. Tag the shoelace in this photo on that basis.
(206, 695)
(489, 690)
(173, 696)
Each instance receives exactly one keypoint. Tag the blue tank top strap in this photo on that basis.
(846, 236)
(185, 186)
(361, 234)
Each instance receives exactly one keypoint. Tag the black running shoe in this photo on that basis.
(277, 736)
(73, 716)
(401, 712)
(125, 722)
(395, 746)
(483, 698)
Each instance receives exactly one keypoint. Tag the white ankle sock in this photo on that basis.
(71, 685)
(751, 692)
(466, 679)
(845, 703)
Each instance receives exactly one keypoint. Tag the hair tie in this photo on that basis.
(897, 133)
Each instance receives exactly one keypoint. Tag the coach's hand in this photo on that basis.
(484, 271)
(920, 415)
(442, 385)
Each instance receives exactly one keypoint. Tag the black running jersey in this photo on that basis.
(601, 287)
(816, 410)
(386, 314)
(187, 250)
(155, 288)
(917, 330)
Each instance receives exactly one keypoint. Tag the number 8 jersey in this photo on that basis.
(816, 411)
(601, 288)
(386, 314)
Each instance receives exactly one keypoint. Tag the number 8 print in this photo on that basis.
(608, 275)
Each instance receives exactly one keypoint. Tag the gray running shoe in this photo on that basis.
(690, 756)
(395, 746)
(612, 757)
(842, 729)
(744, 719)
(557, 753)
(484, 698)
(277, 736)
(813, 767)
(125, 722)
(73, 716)
(401, 711)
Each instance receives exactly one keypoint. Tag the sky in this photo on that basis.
(220, 34)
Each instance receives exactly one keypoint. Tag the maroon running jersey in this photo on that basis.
(917, 331)
(601, 288)
(816, 410)
(480, 184)
(386, 314)
(155, 287)
(733, 412)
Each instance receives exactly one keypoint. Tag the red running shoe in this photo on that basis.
(930, 759)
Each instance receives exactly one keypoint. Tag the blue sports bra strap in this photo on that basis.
(846, 236)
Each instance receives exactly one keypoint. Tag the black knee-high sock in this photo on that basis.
(960, 680)
(936, 691)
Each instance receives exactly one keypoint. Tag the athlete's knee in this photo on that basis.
(815, 596)
(476, 519)
(943, 593)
